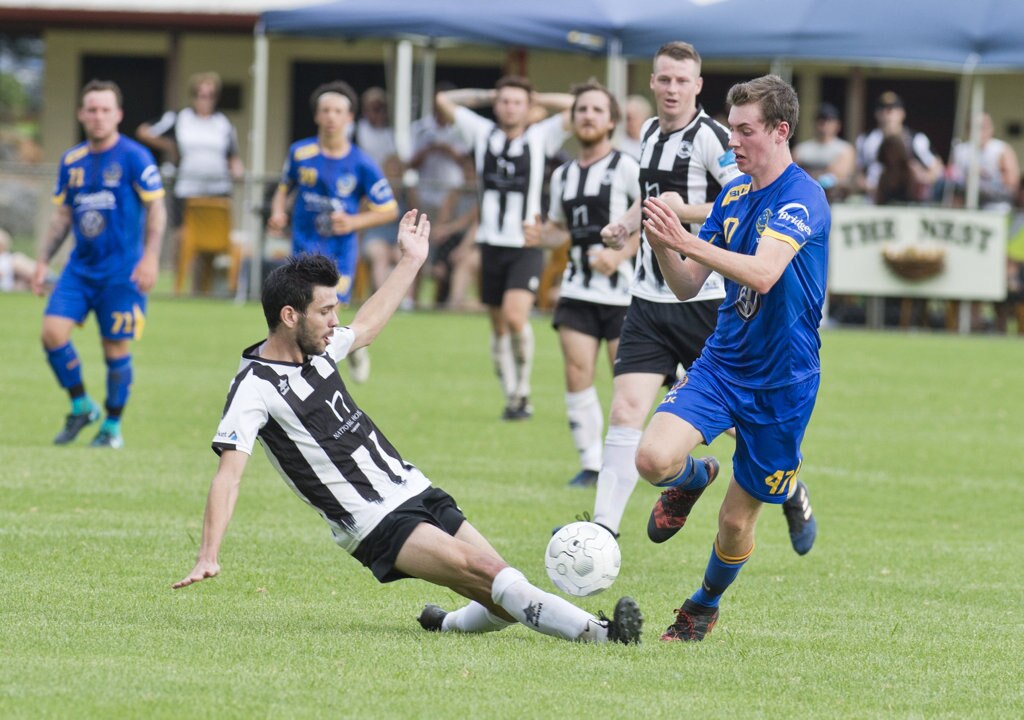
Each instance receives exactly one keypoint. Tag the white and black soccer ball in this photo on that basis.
(582, 559)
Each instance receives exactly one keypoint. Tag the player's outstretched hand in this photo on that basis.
(662, 226)
(203, 569)
(414, 235)
(614, 235)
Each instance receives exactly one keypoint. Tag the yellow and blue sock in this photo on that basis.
(693, 476)
(722, 569)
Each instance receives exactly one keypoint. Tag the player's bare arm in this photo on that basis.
(49, 243)
(544, 234)
(167, 146)
(617, 232)
(145, 273)
(759, 272)
(448, 100)
(687, 213)
(278, 219)
(414, 243)
(607, 260)
(220, 504)
(342, 223)
(556, 103)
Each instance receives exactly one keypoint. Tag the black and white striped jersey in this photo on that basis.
(584, 200)
(696, 162)
(510, 173)
(326, 448)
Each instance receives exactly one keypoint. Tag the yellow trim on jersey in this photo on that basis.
(382, 208)
(76, 154)
(59, 199)
(728, 560)
(139, 322)
(784, 238)
(148, 195)
(735, 193)
(307, 151)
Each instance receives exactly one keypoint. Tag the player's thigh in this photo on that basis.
(664, 446)
(632, 397)
(769, 432)
(431, 554)
(68, 305)
(121, 312)
(579, 351)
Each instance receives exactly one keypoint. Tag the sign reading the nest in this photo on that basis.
(918, 252)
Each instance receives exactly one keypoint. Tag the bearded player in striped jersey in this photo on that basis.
(685, 160)
(381, 509)
(585, 194)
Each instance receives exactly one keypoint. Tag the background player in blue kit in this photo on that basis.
(330, 178)
(768, 236)
(109, 192)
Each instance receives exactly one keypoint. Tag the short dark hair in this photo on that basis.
(514, 81)
(292, 285)
(776, 97)
(95, 85)
(337, 86)
(679, 50)
(594, 85)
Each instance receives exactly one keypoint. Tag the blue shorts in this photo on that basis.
(119, 306)
(770, 426)
(344, 253)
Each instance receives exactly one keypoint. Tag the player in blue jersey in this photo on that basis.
(337, 190)
(109, 192)
(768, 236)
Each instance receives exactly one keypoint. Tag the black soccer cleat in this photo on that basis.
(518, 409)
(431, 618)
(674, 505)
(693, 623)
(803, 528)
(74, 424)
(584, 479)
(626, 623)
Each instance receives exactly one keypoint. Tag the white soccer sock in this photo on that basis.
(618, 476)
(522, 352)
(542, 611)
(473, 618)
(504, 363)
(586, 421)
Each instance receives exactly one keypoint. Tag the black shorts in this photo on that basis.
(656, 337)
(508, 268)
(379, 550)
(603, 322)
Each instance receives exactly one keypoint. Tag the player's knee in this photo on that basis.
(655, 462)
(52, 338)
(481, 569)
(627, 412)
(732, 524)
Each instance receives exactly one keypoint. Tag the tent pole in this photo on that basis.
(429, 80)
(403, 98)
(617, 81)
(257, 165)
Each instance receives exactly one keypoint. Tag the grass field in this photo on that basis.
(911, 605)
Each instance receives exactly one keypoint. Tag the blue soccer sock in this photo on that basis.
(119, 382)
(721, 571)
(693, 476)
(68, 368)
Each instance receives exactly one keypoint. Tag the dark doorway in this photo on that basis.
(141, 80)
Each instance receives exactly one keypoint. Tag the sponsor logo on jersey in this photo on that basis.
(735, 193)
(762, 222)
(233, 436)
(346, 185)
(283, 387)
(685, 150)
(748, 303)
(112, 175)
(608, 178)
(102, 200)
(91, 224)
(728, 159)
(796, 215)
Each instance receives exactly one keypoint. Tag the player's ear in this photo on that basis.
(290, 316)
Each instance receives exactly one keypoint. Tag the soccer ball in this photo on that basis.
(582, 559)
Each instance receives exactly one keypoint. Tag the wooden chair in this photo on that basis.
(205, 234)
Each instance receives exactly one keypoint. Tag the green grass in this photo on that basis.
(909, 605)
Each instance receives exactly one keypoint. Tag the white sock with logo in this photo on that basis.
(504, 363)
(473, 618)
(586, 420)
(618, 476)
(522, 352)
(542, 611)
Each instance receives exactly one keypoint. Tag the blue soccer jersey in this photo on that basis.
(326, 184)
(106, 192)
(771, 340)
